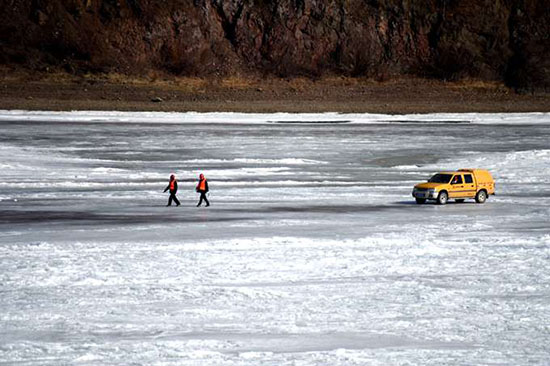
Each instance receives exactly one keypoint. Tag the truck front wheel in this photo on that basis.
(481, 196)
(442, 198)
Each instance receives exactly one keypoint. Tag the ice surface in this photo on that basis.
(312, 253)
(274, 118)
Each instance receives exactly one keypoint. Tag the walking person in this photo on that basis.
(173, 187)
(202, 188)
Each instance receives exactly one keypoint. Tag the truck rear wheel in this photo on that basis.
(481, 196)
(420, 200)
(442, 198)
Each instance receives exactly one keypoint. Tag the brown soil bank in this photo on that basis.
(336, 94)
(491, 40)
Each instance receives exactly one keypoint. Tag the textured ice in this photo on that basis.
(312, 253)
(254, 118)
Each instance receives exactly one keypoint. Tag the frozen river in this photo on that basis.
(312, 253)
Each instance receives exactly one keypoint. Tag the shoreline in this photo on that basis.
(280, 118)
(298, 95)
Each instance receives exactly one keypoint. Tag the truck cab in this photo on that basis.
(463, 184)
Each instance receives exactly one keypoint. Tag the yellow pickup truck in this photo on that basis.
(459, 185)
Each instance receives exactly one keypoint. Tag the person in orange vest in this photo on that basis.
(173, 187)
(202, 188)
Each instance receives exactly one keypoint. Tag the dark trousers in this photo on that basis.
(173, 197)
(203, 197)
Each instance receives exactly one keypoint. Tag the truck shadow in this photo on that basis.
(433, 203)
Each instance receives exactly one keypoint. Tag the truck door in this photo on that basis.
(469, 185)
(457, 186)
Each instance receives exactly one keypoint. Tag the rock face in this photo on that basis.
(486, 39)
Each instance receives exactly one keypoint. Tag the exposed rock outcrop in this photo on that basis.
(487, 39)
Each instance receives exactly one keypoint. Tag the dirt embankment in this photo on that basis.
(491, 40)
(53, 91)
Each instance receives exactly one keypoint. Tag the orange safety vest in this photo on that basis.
(202, 185)
(172, 184)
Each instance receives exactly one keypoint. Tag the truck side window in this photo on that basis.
(468, 178)
(457, 179)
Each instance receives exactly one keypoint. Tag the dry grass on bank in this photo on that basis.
(479, 85)
(191, 84)
(54, 90)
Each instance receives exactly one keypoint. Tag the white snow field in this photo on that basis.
(313, 251)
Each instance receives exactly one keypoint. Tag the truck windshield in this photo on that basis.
(440, 178)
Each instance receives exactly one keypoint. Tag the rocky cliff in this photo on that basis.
(504, 40)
